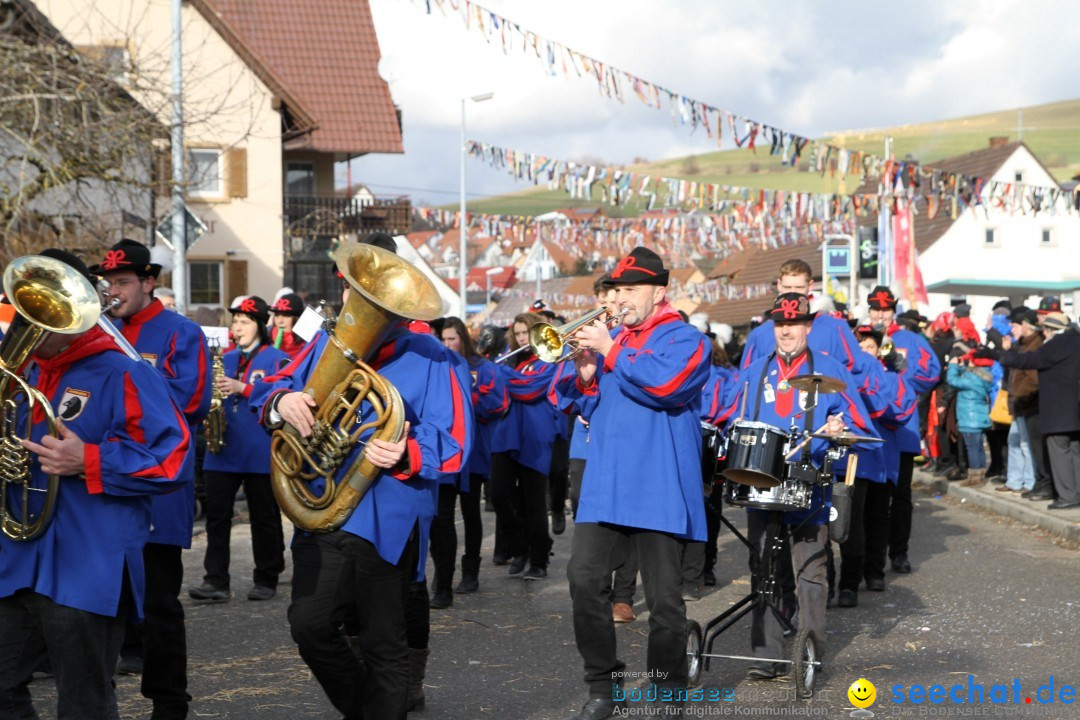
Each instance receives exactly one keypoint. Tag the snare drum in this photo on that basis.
(755, 454)
(788, 495)
(711, 450)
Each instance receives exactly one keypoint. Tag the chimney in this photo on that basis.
(999, 141)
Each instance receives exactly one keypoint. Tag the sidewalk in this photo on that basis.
(1065, 523)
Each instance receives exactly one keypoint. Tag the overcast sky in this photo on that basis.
(806, 66)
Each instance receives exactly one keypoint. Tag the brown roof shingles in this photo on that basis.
(323, 57)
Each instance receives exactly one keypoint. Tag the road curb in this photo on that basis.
(1023, 511)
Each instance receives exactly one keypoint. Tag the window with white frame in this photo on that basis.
(205, 173)
(1046, 237)
(1018, 176)
(300, 179)
(206, 283)
(991, 239)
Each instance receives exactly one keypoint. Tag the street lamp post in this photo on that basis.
(463, 229)
(488, 273)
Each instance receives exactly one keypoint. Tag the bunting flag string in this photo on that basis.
(789, 147)
(901, 184)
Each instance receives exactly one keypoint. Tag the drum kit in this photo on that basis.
(765, 468)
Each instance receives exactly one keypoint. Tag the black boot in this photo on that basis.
(417, 669)
(470, 575)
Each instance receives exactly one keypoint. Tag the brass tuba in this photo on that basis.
(49, 296)
(215, 418)
(383, 289)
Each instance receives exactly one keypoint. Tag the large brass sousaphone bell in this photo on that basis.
(48, 296)
(384, 290)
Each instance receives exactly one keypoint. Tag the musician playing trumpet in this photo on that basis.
(69, 589)
(771, 399)
(639, 387)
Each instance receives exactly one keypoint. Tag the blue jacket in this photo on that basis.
(921, 375)
(973, 399)
(137, 445)
(490, 401)
(643, 461)
(897, 412)
(715, 391)
(531, 425)
(247, 445)
(766, 404)
(440, 434)
(177, 348)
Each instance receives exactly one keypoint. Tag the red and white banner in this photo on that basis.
(906, 259)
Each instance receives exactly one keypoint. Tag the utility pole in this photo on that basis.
(179, 231)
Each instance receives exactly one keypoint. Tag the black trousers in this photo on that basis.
(577, 471)
(596, 548)
(337, 575)
(997, 438)
(267, 538)
(525, 525)
(1044, 481)
(876, 526)
(444, 534)
(714, 506)
(900, 508)
(82, 648)
(559, 477)
(624, 579)
(164, 678)
(853, 550)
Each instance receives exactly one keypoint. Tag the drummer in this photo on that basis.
(772, 400)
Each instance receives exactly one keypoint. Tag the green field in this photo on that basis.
(1052, 132)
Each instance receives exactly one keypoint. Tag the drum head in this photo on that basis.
(752, 478)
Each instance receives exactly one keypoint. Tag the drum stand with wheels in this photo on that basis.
(766, 595)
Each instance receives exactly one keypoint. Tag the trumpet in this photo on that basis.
(548, 341)
(886, 347)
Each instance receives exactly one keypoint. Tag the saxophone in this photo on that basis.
(215, 419)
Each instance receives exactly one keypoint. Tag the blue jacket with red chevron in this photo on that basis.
(137, 445)
(440, 435)
(177, 348)
(490, 401)
(900, 409)
(247, 446)
(766, 403)
(716, 391)
(921, 374)
(531, 425)
(643, 460)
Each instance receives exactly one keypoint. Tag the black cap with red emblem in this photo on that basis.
(641, 267)
(791, 307)
(127, 255)
(881, 298)
(289, 304)
(254, 307)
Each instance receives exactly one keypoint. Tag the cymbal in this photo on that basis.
(817, 383)
(846, 438)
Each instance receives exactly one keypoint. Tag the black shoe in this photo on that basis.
(489, 506)
(944, 468)
(499, 559)
(1062, 505)
(517, 565)
(997, 479)
(598, 709)
(261, 592)
(766, 671)
(535, 572)
(901, 565)
(129, 666)
(830, 600)
(441, 599)
(208, 593)
(1040, 496)
(558, 522)
(956, 474)
(469, 584)
(848, 598)
(709, 578)
(875, 584)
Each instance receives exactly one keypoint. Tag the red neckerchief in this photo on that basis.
(892, 329)
(147, 314)
(636, 336)
(785, 400)
(51, 369)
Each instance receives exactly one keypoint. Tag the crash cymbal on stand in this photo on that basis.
(817, 383)
(846, 438)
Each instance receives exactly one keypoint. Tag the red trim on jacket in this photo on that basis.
(200, 382)
(457, 430)
(92, 469)
(133, 411)
(170, 467)
(412, 452)
(674, 383)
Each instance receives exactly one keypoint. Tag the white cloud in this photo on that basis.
(802, 65)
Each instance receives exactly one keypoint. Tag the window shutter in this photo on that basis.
(236, 167)
(237, 279)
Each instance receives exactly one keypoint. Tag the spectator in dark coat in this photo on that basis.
(1058, 365)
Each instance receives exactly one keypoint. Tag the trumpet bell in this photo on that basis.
(394, 286)
(547, 342)
(51, 296)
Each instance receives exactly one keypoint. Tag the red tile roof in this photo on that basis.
(321, 60)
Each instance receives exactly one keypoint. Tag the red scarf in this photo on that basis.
(52, 369)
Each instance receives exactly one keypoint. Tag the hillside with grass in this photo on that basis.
(1052, 131)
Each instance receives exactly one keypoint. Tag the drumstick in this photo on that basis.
(852, 463)
(742, 410)
(808, 438)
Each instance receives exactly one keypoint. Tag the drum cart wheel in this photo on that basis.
(805, 662)
(694, 661)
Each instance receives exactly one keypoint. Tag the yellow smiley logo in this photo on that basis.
(862, 693)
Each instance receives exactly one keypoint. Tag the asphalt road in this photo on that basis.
(989, 597)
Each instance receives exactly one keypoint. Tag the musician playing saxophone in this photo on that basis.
(71, 588)
(243, 461)
(369, 563)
